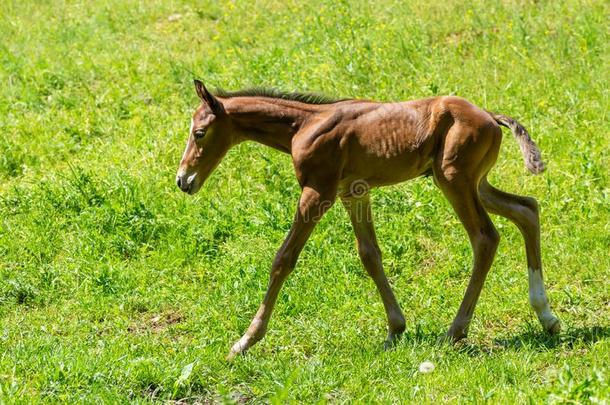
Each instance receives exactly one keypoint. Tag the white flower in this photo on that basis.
(426, 367)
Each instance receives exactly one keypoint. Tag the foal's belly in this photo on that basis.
(368, 171)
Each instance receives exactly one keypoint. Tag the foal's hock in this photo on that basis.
(342, 148)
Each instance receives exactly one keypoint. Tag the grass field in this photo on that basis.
(115, 286)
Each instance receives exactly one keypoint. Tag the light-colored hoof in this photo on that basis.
(231, 355)
(239, 348)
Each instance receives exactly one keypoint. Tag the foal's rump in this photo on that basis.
(472, 128)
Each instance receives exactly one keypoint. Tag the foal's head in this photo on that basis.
(209, 140)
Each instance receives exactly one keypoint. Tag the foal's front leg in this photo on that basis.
(359, 210)
(312, 205)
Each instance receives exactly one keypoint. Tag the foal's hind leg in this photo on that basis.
(467, 153)
(484, 239)
(523, 212)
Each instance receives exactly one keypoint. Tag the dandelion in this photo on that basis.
(174, 17)
(426, 367)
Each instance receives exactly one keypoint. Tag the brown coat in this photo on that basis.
(344, 148)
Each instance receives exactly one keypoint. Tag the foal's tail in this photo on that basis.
(531, 153)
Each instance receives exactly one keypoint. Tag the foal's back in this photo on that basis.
(386, 143)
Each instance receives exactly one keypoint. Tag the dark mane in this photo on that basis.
(309, 98)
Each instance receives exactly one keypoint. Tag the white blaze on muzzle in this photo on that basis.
(180, 171)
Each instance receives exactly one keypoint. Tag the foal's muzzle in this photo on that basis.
(181, 183)
(186, 183)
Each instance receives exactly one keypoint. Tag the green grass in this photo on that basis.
(115, 286)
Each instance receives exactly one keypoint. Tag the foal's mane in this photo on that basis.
(309, 98)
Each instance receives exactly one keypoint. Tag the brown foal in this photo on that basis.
(343, 148)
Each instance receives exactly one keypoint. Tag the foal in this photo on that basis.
(343, 148)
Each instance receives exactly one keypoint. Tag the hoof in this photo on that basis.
(555, 327)
(233, 354)
(391, 341)
(451, 338)
(239, 348)
(389, 344)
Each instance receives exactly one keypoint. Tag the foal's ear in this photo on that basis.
(206, 96)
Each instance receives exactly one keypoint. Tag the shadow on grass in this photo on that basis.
(538, 339)
(532, 339)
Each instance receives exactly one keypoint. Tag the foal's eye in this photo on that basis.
(199, 133)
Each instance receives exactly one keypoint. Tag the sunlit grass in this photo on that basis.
(115, 286)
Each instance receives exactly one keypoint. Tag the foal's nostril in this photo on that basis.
(179, 182)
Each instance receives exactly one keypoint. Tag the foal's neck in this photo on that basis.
(271, 122)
